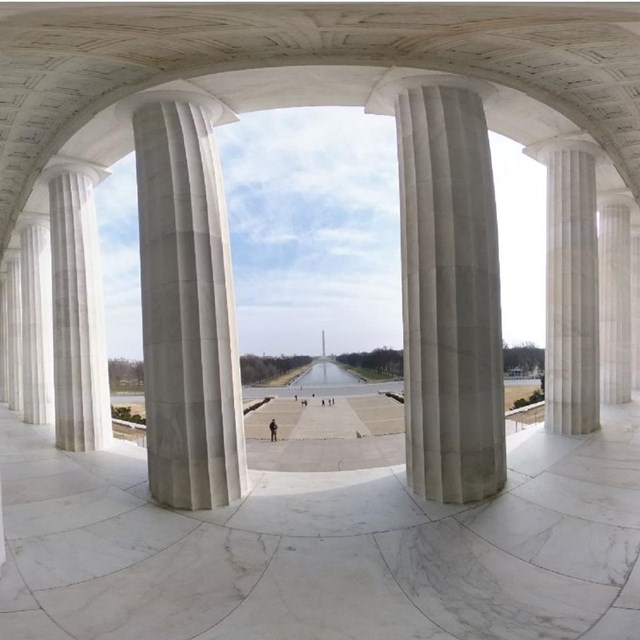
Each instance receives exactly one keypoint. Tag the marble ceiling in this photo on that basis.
(61, 64)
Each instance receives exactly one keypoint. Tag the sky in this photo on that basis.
(314, 218)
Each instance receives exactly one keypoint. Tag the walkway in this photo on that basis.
(340, 417)
(324, 555)
(325, 438)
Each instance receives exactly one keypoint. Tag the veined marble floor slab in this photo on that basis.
(324, 555)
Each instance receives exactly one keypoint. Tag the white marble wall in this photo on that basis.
(14, 329)
(454, 395)
(572, 382)
(37, 319)
(4, 356)
(635, 309)
(82, 399)
(196, 446)
(614, 247)
(3, 553)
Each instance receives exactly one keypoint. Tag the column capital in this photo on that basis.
(382, 98)
(59, 165)
(541, 151)
(10, 255)
(616, 198)
(31, 218)
(126, 108)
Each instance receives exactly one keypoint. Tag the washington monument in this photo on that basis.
(323, 351)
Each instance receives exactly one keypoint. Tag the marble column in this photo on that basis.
(4, 375)
(4, 355)
(37, 318)
(614, 248)
(195, 429)
(82, 399)
(635, 308)
(572, 362)
(3, 555)
(454, 393)
(14, 329)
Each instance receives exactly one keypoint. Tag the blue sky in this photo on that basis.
(312, 197)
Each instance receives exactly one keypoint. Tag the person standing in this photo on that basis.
(273, 427)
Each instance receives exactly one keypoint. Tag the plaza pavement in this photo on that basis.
(325, 438)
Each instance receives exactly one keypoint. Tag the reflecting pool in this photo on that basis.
(325, 374)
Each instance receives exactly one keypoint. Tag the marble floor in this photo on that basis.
(325, 555)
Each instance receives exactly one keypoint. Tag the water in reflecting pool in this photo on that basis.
(325, 374)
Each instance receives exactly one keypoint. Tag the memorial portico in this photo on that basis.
(91, 554)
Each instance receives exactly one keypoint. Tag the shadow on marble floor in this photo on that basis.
(330, 555)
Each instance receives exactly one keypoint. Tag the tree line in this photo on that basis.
(383, 360)
(126, 374)
(526, 356)
(129, 374)
(259, 368)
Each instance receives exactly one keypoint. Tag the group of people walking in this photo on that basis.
(329, 402)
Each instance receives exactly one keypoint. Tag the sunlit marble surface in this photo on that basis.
(327, 555)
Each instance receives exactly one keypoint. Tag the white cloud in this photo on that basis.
(314, 215)
(337, 154)
(117, 208)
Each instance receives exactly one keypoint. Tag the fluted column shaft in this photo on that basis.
(614, 247)
(82, 402)
(14, 331)
(635, 310)
(4, 372)
(572, 386)
(3, 554)
(4, 353)
(37, 320)
(454, 395)
(196, 446)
